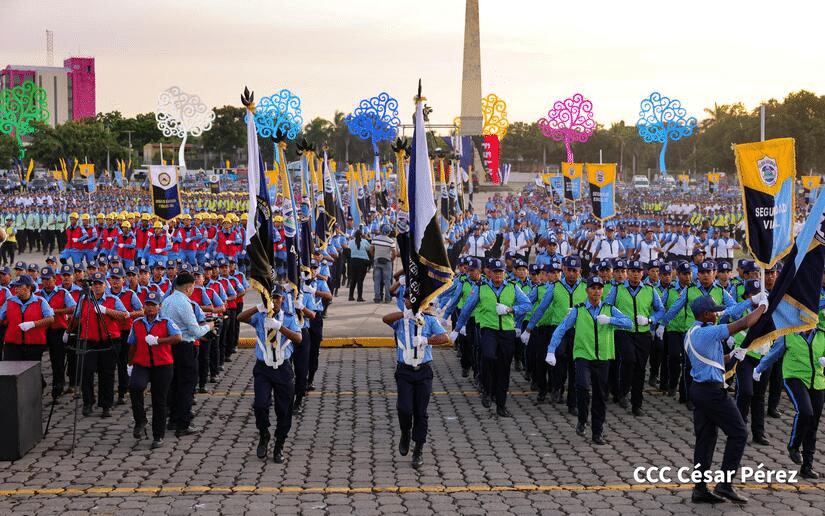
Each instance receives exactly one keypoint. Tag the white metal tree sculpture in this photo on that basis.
(181, 114)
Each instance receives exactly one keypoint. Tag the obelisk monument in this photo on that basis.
(471, 118)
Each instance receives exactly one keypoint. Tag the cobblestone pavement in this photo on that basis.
(341, 456)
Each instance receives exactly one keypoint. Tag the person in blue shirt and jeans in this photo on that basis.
(713, 409)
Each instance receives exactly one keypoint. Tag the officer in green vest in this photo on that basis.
(681, 312)
(593, 322)
(468, 343)
(539, 284)
(644, 307)
(555, 303)
(496, 306)
(522, 281)
(803, 357)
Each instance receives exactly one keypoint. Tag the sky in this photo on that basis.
(333, 53)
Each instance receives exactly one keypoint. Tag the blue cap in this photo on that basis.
(653, 264)
(697, 251)
(116, 272)
(144, 268)
(132, 269)
(704, 304)
(171, 264)
(313, 264)
(572, 262)
(635, 265)
(103, 261)
(496, 265)
(723, 265)
(748, 267)
(776, 267)
(20, 266)
(198, 270)
(554, 265)
(51, 258)
(595, 280)
(222, 262)
(277, 290)
(509, 254)
(152, 297)
(23, 279)
(605, 264)
(47, 273)
(618, 263)
(98, 277)
(518, 262)
(534, 268)
(5, 270)
(473, 263)
(665, 268)
(78, 267)
(753, 286)
(707, 265)
(683, 267)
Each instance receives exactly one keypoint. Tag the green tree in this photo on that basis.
(9, 149)
(228, 134)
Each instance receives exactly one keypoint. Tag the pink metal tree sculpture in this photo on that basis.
(570, 120)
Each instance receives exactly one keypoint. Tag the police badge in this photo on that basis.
(768, 170)
(600, 176)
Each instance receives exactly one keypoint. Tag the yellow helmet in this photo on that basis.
(278, 218)
(85, 216)
(101, 216)
(227, 220)
(124, 213)
(126, 224)
(244, 217)
(144, 216)
(110, 216)
(185, 216)
(73, 215)
(157, 225)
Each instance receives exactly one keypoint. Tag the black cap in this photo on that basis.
(753, 286)
(635, 265)
(534, 268)
(47, 273)
(707, 265)
(722, 265)
(116, 272)
(704, 304)
(518, 262)
(683, 267)
(98, 277)
(572, 262)
(152, 297)
(496, 265)
(23, 279)
(594, 280)
(618, 263)
(473, 263)
(33, 267)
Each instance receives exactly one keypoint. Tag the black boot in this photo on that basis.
(404, 444)
(807, 471)
(417, 458)
(701, 494)
(278, 451)
(726, 490)
(263, 442)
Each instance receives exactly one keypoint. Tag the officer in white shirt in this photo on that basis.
(608, 247)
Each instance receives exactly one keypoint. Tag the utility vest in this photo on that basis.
(485, 311)
(593, 341)
(157, 242)
(57, 302)
(563, 301)
(802, 360)
(151, 356)
(125, 297)
(640, 304)
(15, 315)
(92, 328)
(540, 291)
(127, 253)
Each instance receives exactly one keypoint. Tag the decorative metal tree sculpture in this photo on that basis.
(279, 112)
(375, 119)
(662, 119)
(19, 107)
(494, 111)
(570, 120)
(181, 114)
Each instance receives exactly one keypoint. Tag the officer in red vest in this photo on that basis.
(27, 317)
(150, 351)
(62, 303)
(5, 293)
(96, 318)
(133, 305)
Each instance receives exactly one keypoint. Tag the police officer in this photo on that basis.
(150, 350)
(63, 305)
(593, 323)
(712, 408)
(497, 306)
(414, 337)
(28, 316)
(276, 335)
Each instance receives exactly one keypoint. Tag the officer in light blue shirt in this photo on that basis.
(713, 408)
(272, 372)
(414, 337)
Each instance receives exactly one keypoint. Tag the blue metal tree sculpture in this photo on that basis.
(375, 119)
(661, 120)
(279, 112)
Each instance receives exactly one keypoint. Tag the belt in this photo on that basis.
(402, 365)
(710, 385)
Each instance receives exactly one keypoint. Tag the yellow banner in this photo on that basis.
(683, 178)
(572, 170)
(810, 182)
(601, 174)
(766, 166)
(86, 169)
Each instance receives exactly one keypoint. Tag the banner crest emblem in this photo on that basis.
(768, 170)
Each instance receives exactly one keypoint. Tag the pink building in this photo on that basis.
(70, 89)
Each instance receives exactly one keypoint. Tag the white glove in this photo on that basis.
(103, 310)
(730, 342)
(822, 361)
(502, 309)
(525, 336)
(463, 331)
(158, 250)
(151, 340)
(443, 323)
(261, 308)
(408, 314)
(453, 336)
(271, 323)
(739, 353)
(65, 337)
(299, 305)
(129, 370)
(26, 326)
(420, 341)
(309, 289)
(760, 299)
(641, 320)
(764, 348)
(756, 376)
(550, 358)
(603, 319)
(402, 280)
(121, 245)
(660, 331)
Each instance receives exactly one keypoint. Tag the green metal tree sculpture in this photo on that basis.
(19, 107)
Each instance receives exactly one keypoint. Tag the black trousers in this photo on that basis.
(99, 358)
(414, 390)
(465, 343)
(497, 353)
(300, 364)
(358, 270)
(122, 362)
(775, 387)
(750, 395)
(632, 350)
(231, 335)
(280, 382)
(57, 356)
(161, 379)
(28, 352)
(183, 384)
(563, 371)
(657, 362)
(808, 405)
(714, 410)
(316, 334)
(204, 357)
(537, 348)
(674, 346)
(591, 374)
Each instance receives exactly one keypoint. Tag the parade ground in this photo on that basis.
(342, 458)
